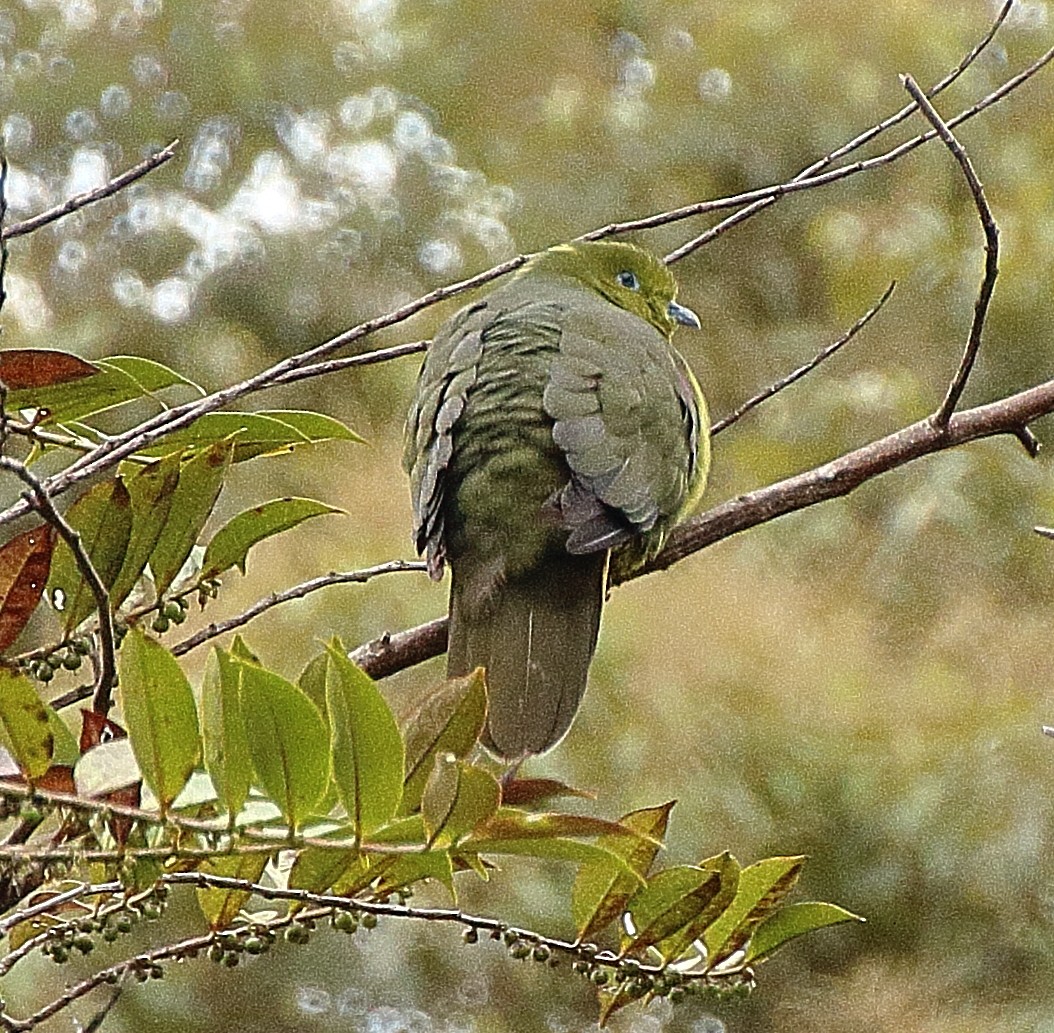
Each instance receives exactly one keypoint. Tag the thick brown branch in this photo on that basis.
(396, 652)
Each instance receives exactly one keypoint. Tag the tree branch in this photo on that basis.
(396, 652)
(73, 204)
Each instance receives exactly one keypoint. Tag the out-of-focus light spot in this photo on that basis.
(270, 198)
(17, 133)
(79, 14)
(313, 1000)
(1029, 14)
(439, 256)
(170, 300)
(71, 256)
(7, 29)
(708, 1024)
(26, 64)
(348, 56)
(370, 165)
(26, 192)
(412, 131)
(147, 70)
(305, 135)
(129, 290)
(210, 154)
(81, 124)
(26, 303)
(115, 101)
(356, 113)
(387, 1019)
(147, 8)
(89, 170)
(715, 84)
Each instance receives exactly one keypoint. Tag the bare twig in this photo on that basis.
(52, 901)
(991, 254)
(296, 592)
(396, 652)
(825, 353)
(115, 185)
(41, 501)
(120, 446)
(319, 369)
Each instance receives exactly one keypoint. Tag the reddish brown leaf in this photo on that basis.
(97, 728)
(41, 367)
(519, 791)
(25, 562)
(57, 779)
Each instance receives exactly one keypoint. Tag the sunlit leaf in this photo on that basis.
(102, 516)
(24, 726)
(410, 869)
(22, 368)
(162, 719)
(120, 379)
(231, 543)
(457, 799)
(151, 491)
(312, 681)
(225, 746)
(727, 869)
(288, 742)
(671, 900)
(449, 721)
(317, 868)
(257, 433)
(106, 768)
(601, 892)
(367, 748)
(791, 921)
(221, 906)
(516, 824)
(25, 562)
(65, 750)
(762, 886)
(200, 482)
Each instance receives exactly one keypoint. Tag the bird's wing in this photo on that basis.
(626, 417)
(449, 371)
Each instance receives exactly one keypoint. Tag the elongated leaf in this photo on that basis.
(519, 792)
(151, 492)
(410, 869)
(288, 742)
(601, 892)
(515, 824)
(107, 768)
(366, 745)
(226, 747)
(312, 681)
(457, 799)
(64, 751)
(22, 368)
(120, 379)
(200, 482)
(257, 433)
(791, 921)
(317, 868)
(232, 542)
(449, 721)
(102, 516)
(672, 899)
(683, 939)
(221, 906)
(554, 848)
(762, 886)
(24, 726)
(161, 716)
(25, 562)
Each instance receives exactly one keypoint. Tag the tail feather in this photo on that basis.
(535, 635)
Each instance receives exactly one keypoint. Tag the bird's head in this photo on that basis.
(628, 276)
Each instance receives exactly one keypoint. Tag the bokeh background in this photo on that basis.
(864, 682)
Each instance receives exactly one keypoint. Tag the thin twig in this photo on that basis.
(41, 501)
(83, 889)
(825, 353)
(73, 204)
(991, 254)
(319, 369)
(296, 592)
(120, 446)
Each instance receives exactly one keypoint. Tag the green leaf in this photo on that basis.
(221, 906)
(159, 711)
(120, 379)
(317, 868)
(151, 490)
(226, 748)
(240, 650)
(200, 482)
(548, 849)
(25, 562)
(366, 745)
(601, 892)
(232, 542)
(66, 750)
(102, 516)
(410, 869)
(449, 721)
(791, 921)
(762, 886)
(457, 799)
(24, 726)
(671, 900)
(728, 871)
(312, 681)
(258, 433)
(516, 824)
(288, 742)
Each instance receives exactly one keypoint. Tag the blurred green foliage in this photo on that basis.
(863, 682)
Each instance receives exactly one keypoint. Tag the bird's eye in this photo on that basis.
(628, 279)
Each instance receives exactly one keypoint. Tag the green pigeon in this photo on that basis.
(554, 428)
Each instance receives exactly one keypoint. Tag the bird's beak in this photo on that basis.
(683, 315)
